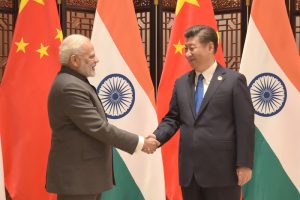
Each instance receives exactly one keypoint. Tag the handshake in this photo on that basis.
(150, 144)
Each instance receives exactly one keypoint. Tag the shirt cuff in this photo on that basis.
(140, 144)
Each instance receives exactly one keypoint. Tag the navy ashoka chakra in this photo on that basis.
(117, 95)
(268, 94)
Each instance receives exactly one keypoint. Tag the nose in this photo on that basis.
(96, 60)
(187, 53)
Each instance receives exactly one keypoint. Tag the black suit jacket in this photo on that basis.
(217, 140)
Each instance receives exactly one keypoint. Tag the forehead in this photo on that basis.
(192, 41)
(88, 48)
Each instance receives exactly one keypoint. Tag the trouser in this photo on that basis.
(196, 192)
(78, 197)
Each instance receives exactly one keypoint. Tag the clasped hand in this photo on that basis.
(150, 144)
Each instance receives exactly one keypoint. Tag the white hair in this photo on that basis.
(71, 45)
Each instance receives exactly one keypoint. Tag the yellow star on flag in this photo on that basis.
(40, 2)
(21, 45)
(43, 50)
(180, 4)
(23, 3)
(179, 47)
(59, 34)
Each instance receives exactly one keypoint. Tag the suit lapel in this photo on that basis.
(190, 88)
(215, 82)
(97, 100)
(92, 89)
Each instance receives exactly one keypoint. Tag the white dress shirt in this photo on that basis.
(207, 74)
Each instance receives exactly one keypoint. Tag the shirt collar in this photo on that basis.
(68, 70)
(208, 73)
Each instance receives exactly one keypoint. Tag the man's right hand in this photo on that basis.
(150, 144)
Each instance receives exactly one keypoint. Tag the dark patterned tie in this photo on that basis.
(199, 93)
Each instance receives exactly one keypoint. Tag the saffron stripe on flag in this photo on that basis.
(280, 41)
(131, 49)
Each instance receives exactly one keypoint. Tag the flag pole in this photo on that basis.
(59, 8)
(156, 49)
(248, 4)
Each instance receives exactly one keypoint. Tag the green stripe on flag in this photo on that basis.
(125, 188)
(269, 181)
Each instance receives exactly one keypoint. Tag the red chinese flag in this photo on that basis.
(188, 13)
(31, 67)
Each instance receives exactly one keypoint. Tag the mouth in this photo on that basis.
(190, 60)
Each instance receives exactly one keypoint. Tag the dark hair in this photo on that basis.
(206, 34)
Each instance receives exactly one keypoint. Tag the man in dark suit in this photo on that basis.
(212, 107)
(80, 158)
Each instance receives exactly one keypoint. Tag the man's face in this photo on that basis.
(88, 61)
(199, 55)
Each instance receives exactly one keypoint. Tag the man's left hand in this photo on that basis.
(244, 175)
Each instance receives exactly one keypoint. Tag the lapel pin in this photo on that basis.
(220, 78)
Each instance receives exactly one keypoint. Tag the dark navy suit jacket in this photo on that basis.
(217, 140)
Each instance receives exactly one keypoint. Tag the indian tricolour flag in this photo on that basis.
(124, 85)
(271, 64)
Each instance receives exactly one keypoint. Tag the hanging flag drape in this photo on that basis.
(271, 64)
(124, 85)
(188, 13)
(32, 64)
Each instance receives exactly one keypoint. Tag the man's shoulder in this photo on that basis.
(234, 76)
(233, 73)
(65, 83)
(185, 76)
(65, 79)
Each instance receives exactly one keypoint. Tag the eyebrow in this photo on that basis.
(190, 46)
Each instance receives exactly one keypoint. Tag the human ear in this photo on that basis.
(74, 60)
